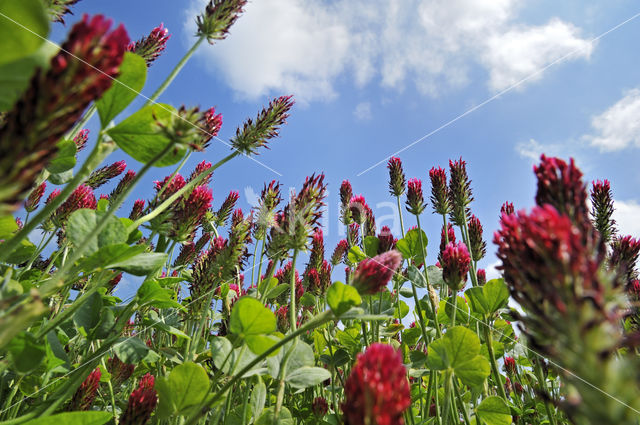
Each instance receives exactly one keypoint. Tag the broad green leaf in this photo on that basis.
(410, 246)
(186, 386)
(494, 411)
(457, 346)
(268, 417)
(437, 357)
(473, 372)
(82, 224)
(258, 344)
(16, 75)
(462, 310)
(341, 298)
(307, 376)
(496, 294)
(73, 418)
(276, 291)
(371, 244)
(140, 136)
(476, 300)
(141, 264)
(267, 285)
(103, 258)
(151, 293)
(60, 178)
(302, 356)
(24, 28)
(416, 276)
(131, 350)
(250, 317)
(25, 352)
(87, 316)
(8, 226)
(356, 255)
(435, 276)
(22, 252)
(65, 158)
(258, 397)
(133, 73)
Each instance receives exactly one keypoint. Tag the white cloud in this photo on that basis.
(522, 53)
(307, 47)
(619, 126)
(627, 217)
(492, 271)
(363, 111)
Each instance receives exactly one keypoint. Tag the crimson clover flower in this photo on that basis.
(481, 276)
(119, 371)
(319, 407)
(81, 139)
(507, 208)
(106, 173)
(201, 168)
(439, 191)
(377, 389)
(81, 197)
(602, 209)
(151, 46)
(445, 238)
(455, 265)
(415, 198)
(510, 365)
(265, 215)
(122, 185)
(459, 192)
(340, 252)
(255, 134)
(396, 177)
(477, 246)
(31, 204)
(84, 68)
(136, 210)
(85, 394)
(58, 8)
(373, 274)
(224, 212)
(624, 256)
(142, 403)
(386, 241)
(218, 17)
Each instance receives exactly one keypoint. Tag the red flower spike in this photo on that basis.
(201, 168)
(120, 371)
(142, 403)
(455, 265)
(218, 17)
(415, 198)
(211, 123)
(151, 46)
(507, 208)
(439, 191)
(478, 245)
(223, 213)
(602, 209)
(106, 173)
(136, 210)
(81, 139)
(386, 240)
(123, 185)
(319, 407)
(34, 197)
(83, 69)
(624, 256)
(86, 393)
(396, 177)
(373, 274)
(450, 236)
(340, 252)
(81, 197)
(459, 192)
(377, 389)
(358, 208)
(481, 275)
(510, 365)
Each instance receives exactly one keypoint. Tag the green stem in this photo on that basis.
(174, 73)
(447, 396)
(400, 214)
(494, 364)
(292, 303)
(100, 151)
(426, 277)
(202, 409)
(543, 387)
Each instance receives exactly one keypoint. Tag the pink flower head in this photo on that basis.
(459, 191)
(87, 392)
(439, 191)
(478, 245)
(142, 403)
(481, 275)
(415, 198)
(396, 177)
(106, 173)
(377, 389)
(339, 252)
(602, 209)
(150, 47)
(510, 365)
(624, 256)
(136, 210)
(123, 185)
(201, 168)
(386, 240)
(81, 197)
(372, 274)
(34, 197)
(358, 208)
(283, 318)
(507, 208)
(319, 407)
(81, 139)
(210, 123)
(172, 186)
(455, 265)
(445, 238)
(346, 193)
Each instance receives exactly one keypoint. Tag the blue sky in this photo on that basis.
(372, 76)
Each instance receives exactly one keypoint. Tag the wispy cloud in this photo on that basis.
(619, 126)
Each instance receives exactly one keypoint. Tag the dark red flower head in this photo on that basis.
(377, 390)
(415, 198)
(151, 46)
(210, 124)
(445, 238)
(201, 168)
(34, 197)
(81, 197)
(507, 208)
(142, 403)
(217, 18)
(358, 209)
(106, 173)
(439, 191)
(602, 209)
(396, 177)
(340, 252)
(123, 185)
(624, 257)
(136, 210)
(478, 245)
(481, 275)
(459, 192)
(87, 392)
(81, 139)
(319, 407)
(386, 241)
(455, 265)
(373, 274)
(510, 365)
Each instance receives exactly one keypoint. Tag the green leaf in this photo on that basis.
(229, 360)
(131, 350)
(250, 317)
(268, 417)
(371, 244)
(489, 298)
(307, 376)
(476, 300)
(186, 386)
(410, 246)
(22, 252)
(356, 255)
(87, 316)
(341, 298)
(73, 418)
(25, 352)
(133, 73)
(103, 258)
(435, 276)
(82, 224)
(302, 356)
(494, 411)
(141, 264)
(267, 285)
(275, 292)
(61, 178)
(258, 344)
(474, 371)
(151, 293)
(416, 277)
(65, 158)
(24, 28)
(15, 76)
(258, 397)
(141, 138)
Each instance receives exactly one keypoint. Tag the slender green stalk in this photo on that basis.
(447, 396)
(400, 215)
(292, 303)
(174, 73)
(494, 365)
(543, 387)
